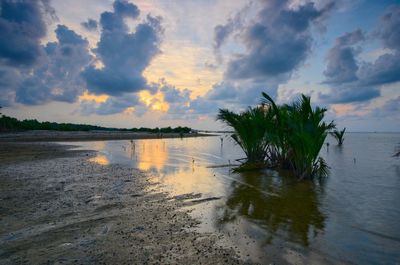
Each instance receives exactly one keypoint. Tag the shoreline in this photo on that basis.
(58, 207)
(65, 136)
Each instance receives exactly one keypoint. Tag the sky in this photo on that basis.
(157, 63)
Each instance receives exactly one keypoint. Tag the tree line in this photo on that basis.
(12, 124)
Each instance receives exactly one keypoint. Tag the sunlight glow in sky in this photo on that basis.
(155, 63)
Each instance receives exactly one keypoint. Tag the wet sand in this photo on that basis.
(57, 207)
(61, 136)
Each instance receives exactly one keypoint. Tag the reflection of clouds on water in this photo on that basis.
(178, 166)
(151, 155)
(189, 179)
(293, 214)
(100, 159)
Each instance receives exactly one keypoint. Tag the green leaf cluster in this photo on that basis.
(288, 136)
(338, 135)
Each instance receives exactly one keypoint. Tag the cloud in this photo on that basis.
(162, 97)
(389, 28)
(173, 95)
(201, 105)
(225, 94)
(9, 77)
(111, 106)
(222, 91)
(32, 73)
(391, 106)
(241, 94)
(125, 9)
(90, 24)
(57, 77)
(22, 26)
(178, 100)
(349, 93)
(277, 41)
(124, 55)
(390, 109)
(353, 81)
(386, 69)
(342, 65)
(223, 32)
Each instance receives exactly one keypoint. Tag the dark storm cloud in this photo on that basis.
(32, 73)
(389, 28)
(350, 93)
(386, 69)
(342, 65)
(277, 42)
(9, 77)
(22, 26)
(90, 24)
(125, 55)
(342, 72)
(65, 36)
(57, 77)
(126, 9)
(354, 81)
(62, 70)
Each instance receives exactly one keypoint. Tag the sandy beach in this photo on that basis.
(57, 207)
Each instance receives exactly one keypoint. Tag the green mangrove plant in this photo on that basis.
(339, 136)
(288, 136)
(305, 135)
(250, 127)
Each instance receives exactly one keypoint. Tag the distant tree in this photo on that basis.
(12, 124)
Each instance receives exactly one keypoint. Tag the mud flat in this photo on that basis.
(57, 207)
(53, 136)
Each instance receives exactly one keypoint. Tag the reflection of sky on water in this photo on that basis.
(100, 159)
(351, 216)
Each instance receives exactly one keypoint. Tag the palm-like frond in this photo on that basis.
(250, 128)
(339, 135)
(289, 136)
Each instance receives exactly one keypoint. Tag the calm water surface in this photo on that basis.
(353, 216)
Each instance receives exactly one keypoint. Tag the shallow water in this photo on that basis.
(352, 216)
